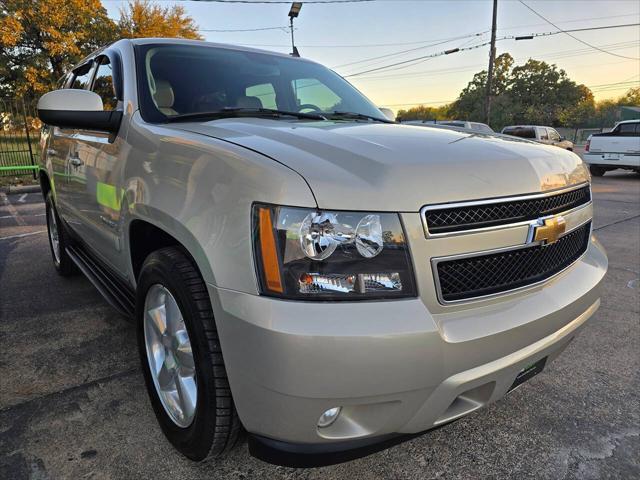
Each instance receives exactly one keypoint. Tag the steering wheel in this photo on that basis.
(309, 106)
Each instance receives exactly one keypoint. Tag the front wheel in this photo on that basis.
(596, 170)
(181, 357)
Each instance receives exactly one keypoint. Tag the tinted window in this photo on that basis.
(201, 78)
(265, 93)
(522, 132)
(81, 77)
(628, 129)
(103, 85)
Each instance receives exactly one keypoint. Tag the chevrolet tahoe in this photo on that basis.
(301, 269)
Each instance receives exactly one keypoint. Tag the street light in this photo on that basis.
(293, 13)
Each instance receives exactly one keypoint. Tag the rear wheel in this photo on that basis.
(181, 357)
(58, 240)
(596, 170)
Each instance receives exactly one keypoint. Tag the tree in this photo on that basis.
(535, 92)
(631, 98)
(41, 40)
(471, 102)
(424, 113)
(144, 19)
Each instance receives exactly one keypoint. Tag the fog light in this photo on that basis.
(328, 417)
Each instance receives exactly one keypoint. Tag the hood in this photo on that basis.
(392, 167)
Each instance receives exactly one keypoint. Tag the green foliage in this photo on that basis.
(144, 19)
(425, 113)
(40, 40)
(534, 93)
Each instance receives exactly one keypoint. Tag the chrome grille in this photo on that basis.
(447, 219)
(470, 277)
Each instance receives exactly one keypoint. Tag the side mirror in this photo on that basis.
(388, 113)
(78, 109)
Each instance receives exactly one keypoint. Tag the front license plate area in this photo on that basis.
(528, 373)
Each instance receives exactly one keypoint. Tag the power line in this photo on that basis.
(573, 36)
(288, 2)
(439, 42)
(417, 103)
(507, 37)
(473, 68)
(513, 27)
(243, 29)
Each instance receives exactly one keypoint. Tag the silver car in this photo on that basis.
(299, 267)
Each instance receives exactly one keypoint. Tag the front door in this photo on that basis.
(97, 191)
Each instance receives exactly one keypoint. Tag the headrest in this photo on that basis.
(248, 102)
(164, 94)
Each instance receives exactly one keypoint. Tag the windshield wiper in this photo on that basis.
(358, 116)
(231, 112)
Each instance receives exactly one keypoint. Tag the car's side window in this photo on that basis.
(627, 129)
(543, 134)
(103, 84)
(81, 77)
(310, 93)
(265, 93)
(553, 135)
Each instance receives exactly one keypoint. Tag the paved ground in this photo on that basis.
(73, 403)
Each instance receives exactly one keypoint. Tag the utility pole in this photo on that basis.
(492, 59)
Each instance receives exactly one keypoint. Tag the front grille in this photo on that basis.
(468, 217)
(470, 277)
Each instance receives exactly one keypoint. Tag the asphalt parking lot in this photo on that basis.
(73, 402)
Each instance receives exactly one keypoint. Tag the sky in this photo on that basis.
(337, 35)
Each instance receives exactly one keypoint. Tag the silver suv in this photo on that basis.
(298, 266)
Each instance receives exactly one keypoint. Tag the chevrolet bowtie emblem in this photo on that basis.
(549, 231)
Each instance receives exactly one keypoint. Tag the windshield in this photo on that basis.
(188, 79)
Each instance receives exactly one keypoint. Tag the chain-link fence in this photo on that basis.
(19, 133)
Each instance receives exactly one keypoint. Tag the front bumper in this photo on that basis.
(395, 368)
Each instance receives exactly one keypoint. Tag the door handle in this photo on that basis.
(75, 161)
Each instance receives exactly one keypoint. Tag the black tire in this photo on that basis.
(62, 262)
(215, 428)
(596, 170)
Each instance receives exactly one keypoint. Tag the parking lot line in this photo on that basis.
(22, 235)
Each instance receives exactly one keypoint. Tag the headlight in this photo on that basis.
(319, 255)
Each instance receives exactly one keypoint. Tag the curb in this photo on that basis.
(17, 189)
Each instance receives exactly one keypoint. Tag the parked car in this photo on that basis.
(298, 266)
(546, 135)
(473, 126)
(619, 148)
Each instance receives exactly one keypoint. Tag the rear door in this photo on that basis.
(95, 159)
(59, 152)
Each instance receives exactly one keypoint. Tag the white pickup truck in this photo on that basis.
(619, 148)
